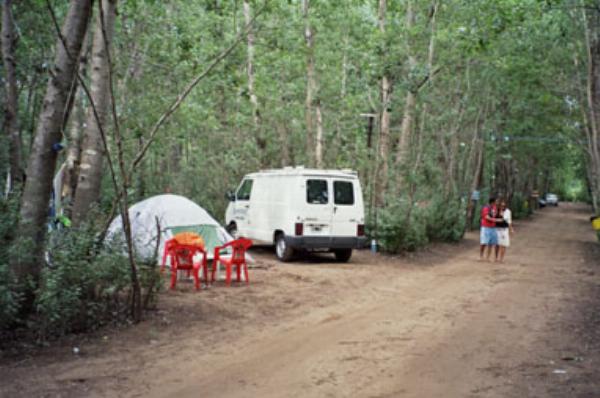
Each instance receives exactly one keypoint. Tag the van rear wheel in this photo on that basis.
(282, 250)
(342, 255)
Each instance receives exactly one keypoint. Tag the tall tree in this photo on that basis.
(75, 130)
(381, 182)
(11, 125)
(591, 17)
(410, 102)
(250, 63)
(42, 160)
(92, 157)
(313, 140)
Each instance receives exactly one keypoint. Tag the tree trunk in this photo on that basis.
(42, 161)
(344, 67)
(260, 140)
(411, 101)
(92, 157)
(319, 143)
(381, 182)
(285, 159)
(592, 40)
(310, 84)
(9, 41)
(476, 182)
(75, 128)
(250, 64)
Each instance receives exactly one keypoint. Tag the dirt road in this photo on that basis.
(437, 324)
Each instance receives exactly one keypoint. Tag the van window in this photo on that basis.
(343, 193)
(244, 192)
(316, 192)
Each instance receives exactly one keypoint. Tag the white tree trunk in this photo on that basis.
(311, 85)
(411, 101)
(384, 123)
(92, 152)
(319, 143)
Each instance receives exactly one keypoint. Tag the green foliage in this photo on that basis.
(408, 227)
(10, 297)
(446, 220)
(82, 287)
(399, 229)
(520, 206)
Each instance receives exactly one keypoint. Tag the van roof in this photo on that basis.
(301, 171)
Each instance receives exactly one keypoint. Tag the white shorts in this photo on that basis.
(503, 237)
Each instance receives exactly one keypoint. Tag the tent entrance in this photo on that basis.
(208, 232)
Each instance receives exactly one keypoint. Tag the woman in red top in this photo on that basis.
(488, 237)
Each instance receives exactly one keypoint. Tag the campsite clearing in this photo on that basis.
(438, 323)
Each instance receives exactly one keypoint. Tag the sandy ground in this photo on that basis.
(435, 324)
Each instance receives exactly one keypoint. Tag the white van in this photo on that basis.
(296, 208)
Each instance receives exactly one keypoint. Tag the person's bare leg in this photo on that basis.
(481, 251)
(496, 251)
(502, 253)
(489, 253)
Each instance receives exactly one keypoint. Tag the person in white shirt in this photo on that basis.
(503, 230)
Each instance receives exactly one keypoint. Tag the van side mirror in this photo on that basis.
(230, 196)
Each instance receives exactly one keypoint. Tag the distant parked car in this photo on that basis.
(542, 202)
(551, 199)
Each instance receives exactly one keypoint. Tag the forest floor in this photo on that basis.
(434, 324)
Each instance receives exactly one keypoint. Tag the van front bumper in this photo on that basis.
(326, 242)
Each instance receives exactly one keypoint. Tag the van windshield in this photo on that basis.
(244, 192)
(343, 193)
(316, 192)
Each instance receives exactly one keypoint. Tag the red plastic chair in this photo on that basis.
(182, 258)
(237, 259)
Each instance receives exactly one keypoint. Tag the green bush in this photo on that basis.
(397, 230)
(407, 227)
(82, 286)
(446, 220)
(10, 298)
(519, 206)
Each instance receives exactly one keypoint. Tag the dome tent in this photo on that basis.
(174, 214)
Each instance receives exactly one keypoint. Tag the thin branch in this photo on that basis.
(181, 97)
(425, 79)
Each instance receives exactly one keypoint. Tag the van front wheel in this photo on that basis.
(232, 230)
(342, 255)
(282, 250)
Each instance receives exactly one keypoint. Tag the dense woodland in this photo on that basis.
(429, 100)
